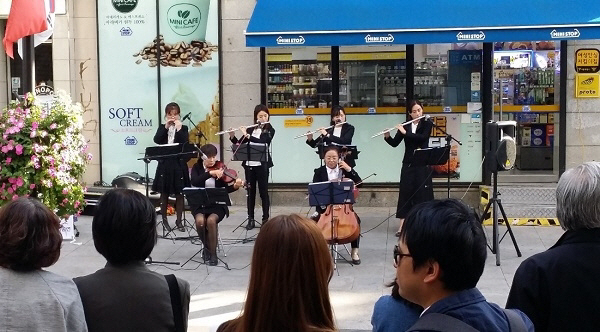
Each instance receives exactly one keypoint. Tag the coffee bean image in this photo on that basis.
(180, 54)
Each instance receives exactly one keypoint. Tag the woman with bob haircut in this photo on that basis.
(30, 240)
(125, 295)
(292, 262)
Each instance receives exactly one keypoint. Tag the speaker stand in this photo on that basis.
(497, 203)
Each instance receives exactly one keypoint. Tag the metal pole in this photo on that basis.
(27, 64)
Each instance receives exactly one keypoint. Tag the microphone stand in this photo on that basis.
(449, 139)
(200, 134)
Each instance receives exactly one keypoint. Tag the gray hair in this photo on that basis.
(578, 197)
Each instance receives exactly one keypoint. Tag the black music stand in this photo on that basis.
(249, 152)
(205, 197)
(449, 139)
(331, 192)
(163, 152)
(433, 156)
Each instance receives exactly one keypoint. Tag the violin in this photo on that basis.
(229, 175)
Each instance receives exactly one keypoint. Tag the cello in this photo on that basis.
(339, 224)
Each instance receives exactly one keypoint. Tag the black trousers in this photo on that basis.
(415, 187)
(260, 175)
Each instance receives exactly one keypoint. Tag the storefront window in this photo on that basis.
(526, 79)
(43, 74)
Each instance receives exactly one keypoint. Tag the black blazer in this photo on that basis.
(199, 177)
(321, 175)
(265, 137)
(344, 139)
(418, 140)
(162, 135)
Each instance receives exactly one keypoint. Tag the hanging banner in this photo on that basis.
(142, 55)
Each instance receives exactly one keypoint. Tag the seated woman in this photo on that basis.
(290, 272)
(335, 169)
(393, 312)
(207, 217)
(125, 295)
(32, 299)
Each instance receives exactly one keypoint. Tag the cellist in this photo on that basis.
(331, 172)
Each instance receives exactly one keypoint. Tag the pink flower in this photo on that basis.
(10, 190)
(65, 191)
(12, 180)
(34, 125)
(5, 149)
(8, 160)
(65, 200)
(15, 197)
(33, 133)
(89, 156)
(53, 126)
(76, 204)
(32, 186)
(19, 149)
(20, 182)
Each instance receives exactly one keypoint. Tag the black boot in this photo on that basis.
(214, 261)
(251, 224)
(165, 223)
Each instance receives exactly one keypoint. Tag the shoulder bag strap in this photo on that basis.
(175, 302)
(515, 321)
(441, 323)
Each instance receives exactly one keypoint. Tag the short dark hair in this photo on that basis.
(331, 148)
(209, 150)
(172, 106)
(258, 108)
(30, 236)
(123, 227)
(335, 111)
(449, 232)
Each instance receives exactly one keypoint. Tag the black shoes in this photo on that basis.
(214, 261)
(179, 226)
(165, 224)
(251, 224)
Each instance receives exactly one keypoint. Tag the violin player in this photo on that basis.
(206, 175)
(335, 170)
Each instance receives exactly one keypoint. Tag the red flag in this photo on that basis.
(26, 18)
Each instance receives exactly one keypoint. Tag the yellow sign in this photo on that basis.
(587, 60)
(364, 56)
(279, 57)
(298, 122)
(587, 85)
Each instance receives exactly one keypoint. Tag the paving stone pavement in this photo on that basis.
(218, 294)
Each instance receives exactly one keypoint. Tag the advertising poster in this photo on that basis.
(147, 61)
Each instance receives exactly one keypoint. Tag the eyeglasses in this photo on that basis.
(398, 255)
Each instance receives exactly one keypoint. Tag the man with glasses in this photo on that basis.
(439, 259)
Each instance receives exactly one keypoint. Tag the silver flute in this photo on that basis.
(234, 129)
(316, 131)
(407, 122)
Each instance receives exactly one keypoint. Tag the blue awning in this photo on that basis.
(371, 22)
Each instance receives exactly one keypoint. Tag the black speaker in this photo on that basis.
(500, 146)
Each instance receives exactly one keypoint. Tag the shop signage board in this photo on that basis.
(298, 122)
(587, 85)
(132, 77)
(587, 60)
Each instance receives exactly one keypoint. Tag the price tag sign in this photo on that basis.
(371, 110)
(526, 108)
(299, 111)
(587, 60)
(447, 109)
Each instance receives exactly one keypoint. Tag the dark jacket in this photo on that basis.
(129, 298)
(558, 289)
(199, 177)
(471, 307)
(321, 176)
(265, 137)
(344, 139)
(418, 140)
(162, 135)
(171, 174)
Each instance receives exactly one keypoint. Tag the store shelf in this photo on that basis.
(280, 83)
(304, 84)
(280, 73)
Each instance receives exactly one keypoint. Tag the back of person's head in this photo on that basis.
(30, 236)
(289, 277)
(578, 197)
(449, 233)
(124, 227)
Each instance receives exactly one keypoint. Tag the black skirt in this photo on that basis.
(415, 187)
(207, 211)
(171, 177)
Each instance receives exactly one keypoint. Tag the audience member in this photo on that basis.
(125, 295)
(393, 313)
(290, 272)
(32, 299)
(558, 288)
(439, 259)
